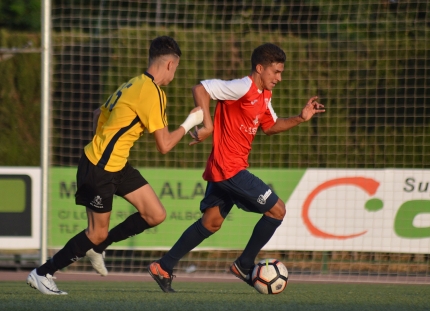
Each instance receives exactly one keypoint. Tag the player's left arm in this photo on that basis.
(284, 124)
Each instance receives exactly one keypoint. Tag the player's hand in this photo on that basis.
(311, 108)
(194, 118)
(199, 135)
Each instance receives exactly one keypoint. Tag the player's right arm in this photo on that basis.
(202, 99)
(221, 90)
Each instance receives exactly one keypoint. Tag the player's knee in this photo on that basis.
(278, 211)
(156, 218)
(212, 227)
(98, 237)
(212, 219)
(283, 212)
(160, 217)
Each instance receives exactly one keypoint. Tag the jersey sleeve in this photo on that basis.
(227, 90)
(152, 110)
(269, 118)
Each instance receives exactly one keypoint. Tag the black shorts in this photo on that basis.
(96, 187)
(244, 189)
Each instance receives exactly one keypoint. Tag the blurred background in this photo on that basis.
(367, 60)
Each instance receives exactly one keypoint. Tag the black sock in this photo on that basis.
(71, 252)
(263, 231)
(193, 236)
(134, 224)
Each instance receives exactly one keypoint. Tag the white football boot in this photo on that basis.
(98, 262)
(45, 283)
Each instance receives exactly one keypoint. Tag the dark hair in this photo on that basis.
(266, 55)
(163, 45)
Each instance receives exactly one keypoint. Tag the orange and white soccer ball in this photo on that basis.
(270, 276)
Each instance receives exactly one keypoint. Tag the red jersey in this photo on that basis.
(241, 109)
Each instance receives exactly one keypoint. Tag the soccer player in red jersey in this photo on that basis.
(243, 106)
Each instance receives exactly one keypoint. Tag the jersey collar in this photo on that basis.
(148, 75)
(259, 91)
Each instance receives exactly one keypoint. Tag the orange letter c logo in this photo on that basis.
(368, 185)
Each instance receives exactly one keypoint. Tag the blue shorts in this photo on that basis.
(244, 189)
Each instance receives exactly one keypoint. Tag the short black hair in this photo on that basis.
(163, 45)
(266, 55)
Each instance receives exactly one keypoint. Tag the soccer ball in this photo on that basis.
(270, 276)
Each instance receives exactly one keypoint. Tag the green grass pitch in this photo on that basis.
(130, 296)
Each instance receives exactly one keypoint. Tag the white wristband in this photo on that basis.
(192, 120)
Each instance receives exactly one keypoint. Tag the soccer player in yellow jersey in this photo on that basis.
(103, 171)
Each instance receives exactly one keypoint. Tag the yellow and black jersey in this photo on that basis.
(135, 106)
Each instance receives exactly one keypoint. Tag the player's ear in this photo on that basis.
(259, 68)
(169, 64)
